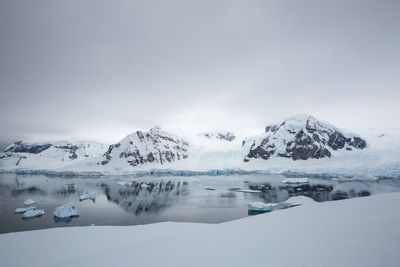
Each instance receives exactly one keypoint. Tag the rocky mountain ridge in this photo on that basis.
(154, 146)
(297, 138)
(301, 138)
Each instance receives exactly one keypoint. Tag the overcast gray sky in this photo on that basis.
(102, 69)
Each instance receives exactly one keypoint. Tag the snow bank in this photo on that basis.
(330, 234)
(66, 211)
(300, 200)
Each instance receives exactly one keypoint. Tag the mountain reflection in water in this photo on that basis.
(142, 200)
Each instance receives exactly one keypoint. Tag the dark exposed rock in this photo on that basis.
(21, 147)
(263, 151)
(71, 148)
(226, 136)
(153, 146)
(19, 160)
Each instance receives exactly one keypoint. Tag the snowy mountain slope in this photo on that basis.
(300, 138)
(152, 147)
(26, 155)
(300, 144)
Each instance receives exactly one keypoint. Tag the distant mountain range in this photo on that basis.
(297, 139)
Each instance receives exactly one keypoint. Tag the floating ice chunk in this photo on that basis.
(295, 181)
(144, 185)
(66, 211)
(248, 191)
(33, 213)
(299, 200)
(267, 207)
(125, 183)
(22, 210)
(29, 202)
(91, 196)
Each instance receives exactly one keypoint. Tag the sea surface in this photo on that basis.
(149, 199)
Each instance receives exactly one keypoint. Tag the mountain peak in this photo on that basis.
(153, 146)
(303, 137)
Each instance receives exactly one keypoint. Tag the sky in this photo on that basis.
(100, 70)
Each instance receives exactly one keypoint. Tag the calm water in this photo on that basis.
(185, 199)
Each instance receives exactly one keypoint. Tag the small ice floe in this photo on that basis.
(33, 213)
(66, 211)
(29, 202)
(91, 196)
(248, 191)
(22, 210)
(295, 181)
(260, 207)
(125, 183)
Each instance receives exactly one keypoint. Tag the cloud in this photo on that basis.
(101, 69)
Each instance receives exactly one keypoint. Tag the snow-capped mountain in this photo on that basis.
(154, 146)
(225, 136)
(301, 137)
(48, 154)
(299, 144)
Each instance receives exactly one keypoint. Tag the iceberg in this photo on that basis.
(33, 213)
(267, 207)
(91, 196)
(66, 211)
(260, 207)
(29, 202)
(22, 210)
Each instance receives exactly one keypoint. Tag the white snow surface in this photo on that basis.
(353, 232)
(55, 156)
(300, 200)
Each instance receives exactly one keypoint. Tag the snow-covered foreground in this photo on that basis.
(355, 232)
